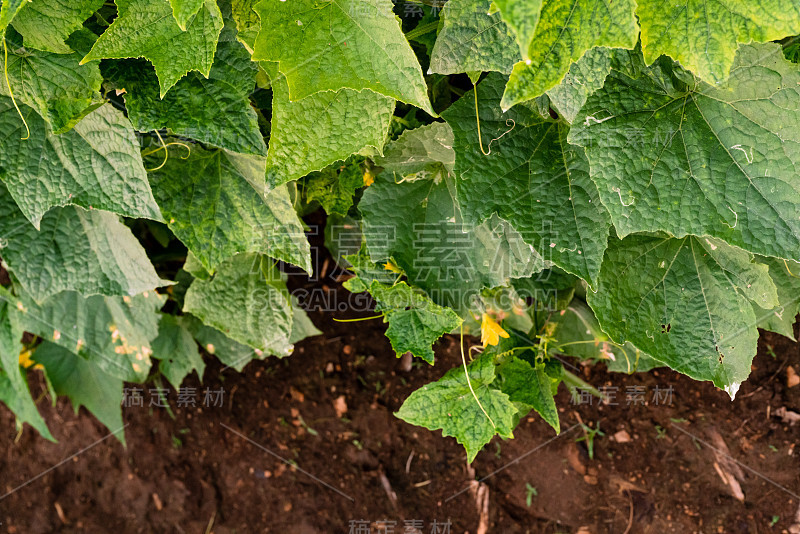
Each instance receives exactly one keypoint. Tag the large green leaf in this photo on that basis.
(585, 76)
(215, 110)
(14, 390)
(531, 178)
(91, 252)
(113, 333)
(449, 405)
(411, 215)
(185, 10)
(147, 28)
(8, 10)
(231, 353)
(311, 133)
(550, 290)
(85, 384)
(425, 152)
(46, 24)
(248, 23)
(415, 321)
(248, 301)
(57, 86)
(567, 29)
(176, 351)
(704, 36)
(327, 46)
(531, 386)
(217, 204)
(687, 302)
(695, 159)
(335, 186)
(522, 17)
(94, 165)
(473, 40)
(781, 318)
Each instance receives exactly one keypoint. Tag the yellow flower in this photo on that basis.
(26, 361)
(369, 178)
(390, 266)
(491, 332)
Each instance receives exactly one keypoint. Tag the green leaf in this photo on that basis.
(85, 385)
(781, 318)
(531, 386)
(585, 76)
(113, 333)
(228, 351)
(366, 272)
(719, 161)
(215, 110)
(704, 36)
(308, 135)
(147, 28)
(177, 351)
(473, 40)
(55, 85)
(94, 165)
(185, 10)
(248, 301)
(248, 23)
(46, 24)
(531, 178)
(8, 10)
(566, 30)
(14, 390)
(334, 44)
(415, 321)
(449, 405)
(421, 153)
(335, 186)
(522, 17)
(578, 334)
(217, 204)
(411, 215)
(91, 252)
(237, 355)
(550, 290)
(686, 302)
(194, 267)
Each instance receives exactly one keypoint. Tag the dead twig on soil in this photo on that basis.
(630, 515)
(730, 473)
(387, 487)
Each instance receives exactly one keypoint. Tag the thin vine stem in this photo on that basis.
(11, 91)
(469, 383)
(357, 319)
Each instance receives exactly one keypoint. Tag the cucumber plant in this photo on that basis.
(603, 180)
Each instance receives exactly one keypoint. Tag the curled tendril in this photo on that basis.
(509, 122)
(165, 147)
(11, 91)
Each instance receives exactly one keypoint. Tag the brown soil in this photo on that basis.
(198, 472)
